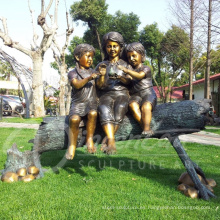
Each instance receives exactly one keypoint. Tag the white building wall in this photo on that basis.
(198, 91)
(216, 85)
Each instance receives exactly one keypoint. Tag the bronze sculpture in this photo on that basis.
(33, 170)
(143, 97)
(9, 177)
(113, 93)
(28, 178)
(187, 185)
(22, 172)
(84, 98)
(184, 118)
(114, 97)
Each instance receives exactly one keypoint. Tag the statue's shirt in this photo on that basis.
(145, 83)
(85, 98)
(114, 96)
(113, 84)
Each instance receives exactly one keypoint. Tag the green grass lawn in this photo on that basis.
(213, 131)
(22, 120)
(216, 131)
(139, 182)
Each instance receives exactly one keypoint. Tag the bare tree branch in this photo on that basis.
(4, 23)
(60, 60)
(49, 33)
(56, 56)
(42, 7)
(69, 31)
(48, 7)
(36, 52)
(42, 17)
(55, 12)
(35, 36)
(56, 45)
(9, 42)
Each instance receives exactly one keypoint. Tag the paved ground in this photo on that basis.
(18, 125)
(201, 137)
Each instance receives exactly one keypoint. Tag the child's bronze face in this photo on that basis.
(86, 60)
(113, 49)
(134, 58)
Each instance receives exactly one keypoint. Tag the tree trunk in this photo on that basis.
(159, 69)
(37, 85)
(208, 62)
(169, 119)
(63, 82)
(17, 159)
(180, 117)
(36, 52)
(191, 51)
(99, 43)
(68, 97)
(159, 88)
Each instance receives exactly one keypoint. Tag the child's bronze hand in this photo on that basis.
(94, 75)
(102, 69)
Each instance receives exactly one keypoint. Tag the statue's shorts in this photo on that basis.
(113, 106)
(145, 95)
(83, 108)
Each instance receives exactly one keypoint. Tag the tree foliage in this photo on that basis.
(151, 38)
(92, 12)
(125, 24)
(169, 56)
(69, 57)
(215, 59)
(168, 53)
(200, 64)
(5, 71)
(175, 48)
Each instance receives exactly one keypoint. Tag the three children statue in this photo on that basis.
(119, 82)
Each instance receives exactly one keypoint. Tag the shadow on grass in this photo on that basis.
(143, 167)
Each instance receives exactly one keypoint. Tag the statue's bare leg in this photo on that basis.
(90, 128)
(73, 135)
(109, 131)
(136, 112)
(105, 139)
(146, 112)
